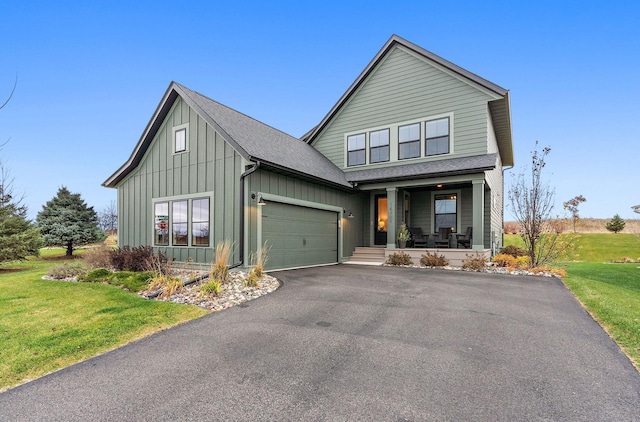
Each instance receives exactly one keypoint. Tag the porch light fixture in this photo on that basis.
(439, 186)
(261, 200)
(350, 215)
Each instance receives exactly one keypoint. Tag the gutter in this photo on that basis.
(241, 225)
(504, 200)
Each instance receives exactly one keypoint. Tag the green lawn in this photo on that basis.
(609, 291)
(47, 325)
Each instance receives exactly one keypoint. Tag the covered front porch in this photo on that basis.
(462, 214)
(379, 255)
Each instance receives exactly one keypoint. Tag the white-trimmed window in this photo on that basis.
(379, 146)
(409, 141)
(182, 222)
(180, 138)
(437, 136)
(356, 150)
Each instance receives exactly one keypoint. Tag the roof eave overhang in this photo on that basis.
(501, 115)
(302, 175)
(421, 176)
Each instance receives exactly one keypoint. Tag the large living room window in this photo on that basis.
(409, 141)
(356, 150)
(379, 146)
(182, 222)
(437, 136)
(446, 211)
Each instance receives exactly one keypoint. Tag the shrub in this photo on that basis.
(252, 279)
(172, 286)
(259, 260)
(100, 274)
(433, 260)
(127, 258)
(523, 262)
(399, 258)
(504, 260)
(219, 270)
(475, 262)
(98, 257)
(559, 272)
(159, 264)
(132, 281)
(211, 288)
(513, 250)
(66, 270)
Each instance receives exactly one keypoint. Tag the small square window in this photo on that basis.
(180, 140)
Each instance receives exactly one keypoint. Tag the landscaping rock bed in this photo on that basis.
(235, 292)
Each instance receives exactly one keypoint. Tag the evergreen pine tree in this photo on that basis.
(67, 221)
(616, 224)
(19, 238)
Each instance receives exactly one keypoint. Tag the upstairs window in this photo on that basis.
(437, 136)
(409, 141)
(180, 139)
(356, 147)
(379, 146)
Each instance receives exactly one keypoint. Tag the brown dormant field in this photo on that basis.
(584, 225)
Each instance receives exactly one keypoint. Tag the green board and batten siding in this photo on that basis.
(403, 87)
(208, 162)
(291, 190)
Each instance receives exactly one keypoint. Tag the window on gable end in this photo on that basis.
(180, 139)
(379, 146)
(437, 136)
(356, 150)
(409, 141)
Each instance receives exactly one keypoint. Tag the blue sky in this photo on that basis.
(91, 75)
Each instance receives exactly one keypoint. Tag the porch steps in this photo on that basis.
(364, 255)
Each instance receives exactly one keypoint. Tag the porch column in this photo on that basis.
(392, 194)
(478, 215)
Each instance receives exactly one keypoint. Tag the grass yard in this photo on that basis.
(610, 292)
(47, 325)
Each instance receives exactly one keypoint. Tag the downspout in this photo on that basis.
(503, 200)
(241, 237)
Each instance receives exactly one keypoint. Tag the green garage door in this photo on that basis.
(299, 236)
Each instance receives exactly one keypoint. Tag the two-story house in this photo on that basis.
(415, 139)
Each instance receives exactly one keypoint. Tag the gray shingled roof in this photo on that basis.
(258, 141)
(448, 167)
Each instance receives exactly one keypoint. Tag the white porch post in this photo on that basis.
(391, 217)
(478, 215)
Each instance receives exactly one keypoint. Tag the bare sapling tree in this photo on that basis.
(532, 202)
(572, 206)
(108, 218)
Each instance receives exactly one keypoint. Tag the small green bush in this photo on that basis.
(475, 262)
(66, 270)
(433, 260)
(252, 278)
(211, 288)
(399, 258)
(132, 281)
(513, 250)
(100, 274)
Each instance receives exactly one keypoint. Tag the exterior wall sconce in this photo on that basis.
(261, 200)
(350, 215)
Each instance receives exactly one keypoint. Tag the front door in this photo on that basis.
(381, 214)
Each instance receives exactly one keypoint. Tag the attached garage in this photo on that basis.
(299, 236)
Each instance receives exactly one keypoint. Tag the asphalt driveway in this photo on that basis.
(359, 343)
